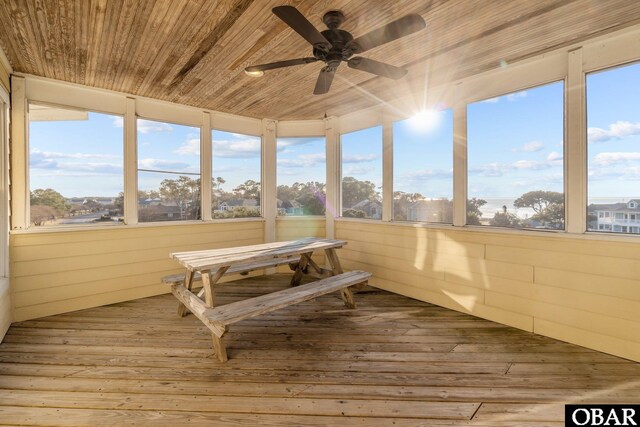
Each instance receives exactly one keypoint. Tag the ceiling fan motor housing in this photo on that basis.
(338, 39)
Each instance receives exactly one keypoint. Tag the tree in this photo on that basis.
(185, 193)
(355, 191)
(401, 203)
(547, 205)
(50, 197)
(40, 214)
(473, 210)
(250, 189)
(354, 213)
(504, 219)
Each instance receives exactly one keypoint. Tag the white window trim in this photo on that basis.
(4, 183)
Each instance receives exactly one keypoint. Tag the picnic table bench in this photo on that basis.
(210, 266)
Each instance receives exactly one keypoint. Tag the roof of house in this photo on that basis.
(615, 207)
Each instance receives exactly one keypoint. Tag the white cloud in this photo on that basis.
(607, 159)
(532, 147)
(490, 169)
(303, 160)
(359, 158)
(510, 97)
(36, 153)
(145, 126)
(189, 148)
(516, 95)
(617, 130)
(427, 174)
(160, 164)
(356, 170)
(148, 126)
(555, 156)
(531, 165)
(242, 149)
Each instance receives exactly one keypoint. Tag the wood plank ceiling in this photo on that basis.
(194, 51)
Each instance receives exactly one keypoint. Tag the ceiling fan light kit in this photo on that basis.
(334, 46)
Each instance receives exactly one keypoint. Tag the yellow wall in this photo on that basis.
(57, 272)
(582, 291)
(292, 228)
(5, 295)
(4, 77)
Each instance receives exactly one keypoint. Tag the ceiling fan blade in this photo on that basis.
(293, 18)
(324, 80)
(394, 30)
(279, 64)
(377, 67)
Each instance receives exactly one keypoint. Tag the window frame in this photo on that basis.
(27, 181)
(263, 173)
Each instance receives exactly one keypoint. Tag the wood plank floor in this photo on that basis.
(392, 361)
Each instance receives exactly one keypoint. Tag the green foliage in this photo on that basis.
(310, 196)
(250, 189)
(401, 203)
(504, 219)
(547, 205)
(52, 198)
(240, 212)
(473, 210)
(355, 191)
(354, 213)
(185, 193)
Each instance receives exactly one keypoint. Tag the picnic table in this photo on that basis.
(210, 266)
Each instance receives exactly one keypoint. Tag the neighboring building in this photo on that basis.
(372, 208)
(616, 217)
(238, 203)
(289, 208)
(429, 210)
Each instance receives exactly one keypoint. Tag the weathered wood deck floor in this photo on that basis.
(393, 361)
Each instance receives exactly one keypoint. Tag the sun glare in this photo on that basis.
(425, 120)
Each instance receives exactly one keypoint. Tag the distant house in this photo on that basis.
(617, 217)
(371, 208)
(289, 208)
(429, 210)
(231, 205)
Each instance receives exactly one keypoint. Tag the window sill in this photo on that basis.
(561, 234)
(80, 228)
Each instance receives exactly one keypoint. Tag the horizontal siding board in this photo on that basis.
(595, 284)
(114, 245)
(57, 272)
(597, 341)
(559, 283)
(601, 265)
(124, 232)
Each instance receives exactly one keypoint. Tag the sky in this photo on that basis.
(301, 160)
(423, 155)
(515, 144)
(362, 155)
(613, 122)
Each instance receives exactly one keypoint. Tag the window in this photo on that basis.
(362, 173)
(515, 156)
(168, 172)
(423, 168)
(613, 143)
(236, 175)
(75, 167)
(301, 176)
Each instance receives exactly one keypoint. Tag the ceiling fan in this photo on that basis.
(334, 45)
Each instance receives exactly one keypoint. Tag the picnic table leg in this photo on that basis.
(336, 268)
(208, 282)
(302, 265)
(188, 282)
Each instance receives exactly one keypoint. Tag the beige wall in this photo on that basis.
(292, 228)
(4, 77)
(57, 272)
(5, 294)
(582, 291)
